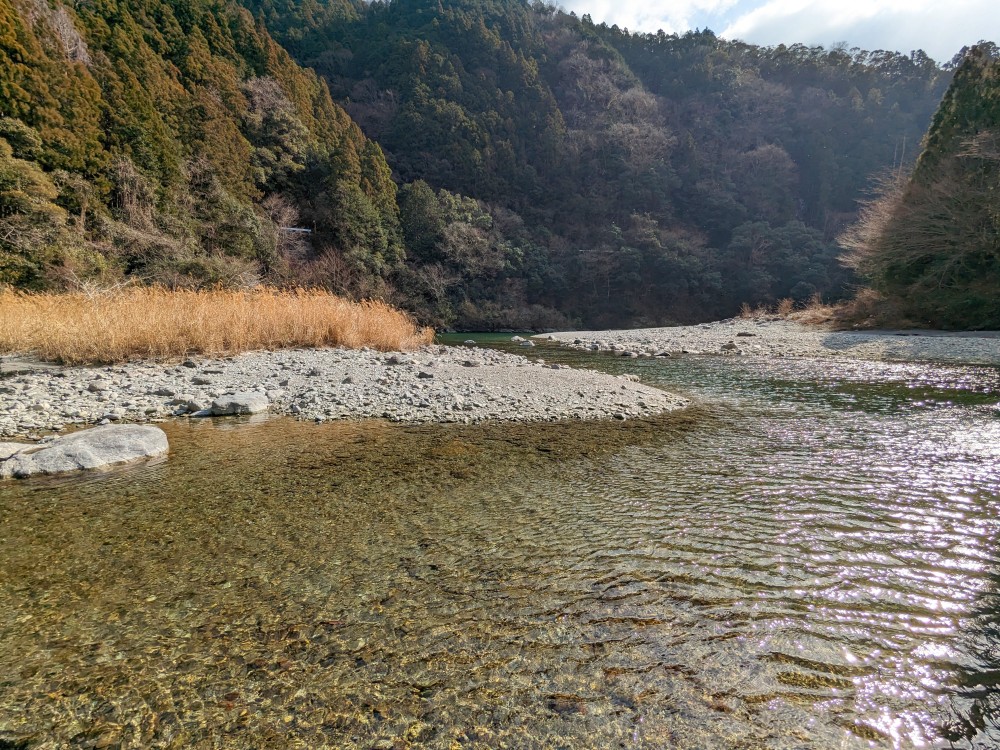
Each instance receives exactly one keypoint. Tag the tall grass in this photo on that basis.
(152, 322)
(813, 312)
(782, 309)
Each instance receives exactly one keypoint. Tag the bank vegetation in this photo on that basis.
(87, 327)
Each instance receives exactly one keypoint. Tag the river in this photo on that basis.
(808, 558)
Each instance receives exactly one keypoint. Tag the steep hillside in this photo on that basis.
(170, 140)
(931, 245)
(544, 170)
(648, 177)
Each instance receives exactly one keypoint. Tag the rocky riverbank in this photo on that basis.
(432, 384)
(785, 338)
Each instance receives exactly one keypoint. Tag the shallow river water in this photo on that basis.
(809, 558)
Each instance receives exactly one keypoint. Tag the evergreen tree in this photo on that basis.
(164, 126)
(931, 245)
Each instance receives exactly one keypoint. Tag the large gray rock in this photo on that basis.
(88, 449)
(246, 402)
(9, 449)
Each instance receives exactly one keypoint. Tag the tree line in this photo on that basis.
(929, 244)
(483, 163)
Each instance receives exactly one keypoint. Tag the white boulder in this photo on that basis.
(95, 448)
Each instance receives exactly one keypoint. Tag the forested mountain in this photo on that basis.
(544, 170)
(627, 178)
(931, 244)
(170, 139)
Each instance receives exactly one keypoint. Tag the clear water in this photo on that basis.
(808, 559)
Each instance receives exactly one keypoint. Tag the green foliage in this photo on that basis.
(162, 127)
(38, 239)
(423, 220)
(971, 105)
(29, 220)
(931, 245)
(576, 129)
(277, 135)
(464, 258)
(22, 142)
(357, 227)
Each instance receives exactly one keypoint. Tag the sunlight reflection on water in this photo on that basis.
(811, 563)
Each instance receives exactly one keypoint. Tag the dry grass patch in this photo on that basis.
(816, 312)
(871, 309)
(151, 322)
(763, 312)
(760, 312)
(813, 312)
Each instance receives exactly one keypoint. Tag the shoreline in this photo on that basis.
(443, 384)
(432, 384)
(787, 338)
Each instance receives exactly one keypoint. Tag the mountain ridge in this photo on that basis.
(487, 163)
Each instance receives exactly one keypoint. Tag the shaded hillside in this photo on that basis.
(545, 170)
(649, 177)
(931, 244)
(170, 140)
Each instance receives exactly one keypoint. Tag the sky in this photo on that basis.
(938, 27)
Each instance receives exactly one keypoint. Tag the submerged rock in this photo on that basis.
(88, 449)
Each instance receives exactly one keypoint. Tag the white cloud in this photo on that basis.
(637, 15)
(939, 28)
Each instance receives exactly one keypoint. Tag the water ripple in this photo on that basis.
(811, 563)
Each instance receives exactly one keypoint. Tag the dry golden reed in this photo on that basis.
(152, 322)
(813, 312)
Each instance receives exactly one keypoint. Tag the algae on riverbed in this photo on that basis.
(810, 562)
(280, 584)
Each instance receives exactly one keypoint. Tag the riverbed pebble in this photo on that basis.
(321, 384)
(788, 338)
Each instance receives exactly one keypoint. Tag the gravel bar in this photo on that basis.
(785, 338)
(432, 384)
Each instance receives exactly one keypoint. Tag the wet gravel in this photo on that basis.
(786, 338)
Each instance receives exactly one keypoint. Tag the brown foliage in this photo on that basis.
(813, 312)
(876, 215)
